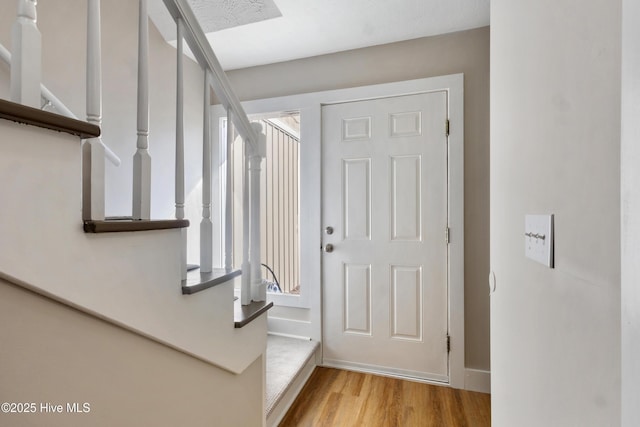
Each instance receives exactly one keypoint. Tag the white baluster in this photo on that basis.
(180, 148)
(258, 289)
(26, 66)
(245, 290)
(93, 149)
(179, 127)
(206, 227)
(142, 159)
(228, 226)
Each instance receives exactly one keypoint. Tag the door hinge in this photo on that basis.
(448, 344)
(447, 127)
(447, 233)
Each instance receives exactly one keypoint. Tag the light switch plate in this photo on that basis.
(538, 238)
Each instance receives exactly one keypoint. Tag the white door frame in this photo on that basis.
(310, 105)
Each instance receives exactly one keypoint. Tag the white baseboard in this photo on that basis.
(279, 334)
(386, 372)
(477, 380)
(289, 327)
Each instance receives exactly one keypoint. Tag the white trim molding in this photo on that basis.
(477, 380)
(386, 371)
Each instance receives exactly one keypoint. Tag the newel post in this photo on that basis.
(252, 287)
(142, 159)
(258, 288)
(93, 149)
(179, 190)
(245, 290)
(206, 226)
(228, 204)
(26, 63)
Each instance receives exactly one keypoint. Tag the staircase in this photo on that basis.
(130, 271)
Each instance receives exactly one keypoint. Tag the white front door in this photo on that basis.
(384, 197)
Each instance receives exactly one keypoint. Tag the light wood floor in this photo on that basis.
(334, 397)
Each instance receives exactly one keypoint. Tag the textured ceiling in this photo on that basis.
(315, 27)
(216, 15)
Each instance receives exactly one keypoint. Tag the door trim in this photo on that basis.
(309, 105)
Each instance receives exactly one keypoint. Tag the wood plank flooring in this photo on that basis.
(334, 397)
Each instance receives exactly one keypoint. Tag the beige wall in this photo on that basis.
(53, 353)
(555, 148)
(463, 52)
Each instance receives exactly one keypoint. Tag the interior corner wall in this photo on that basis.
(462, 52)
(630, 193)
(126, 379)
(555, 149)
(63, 25)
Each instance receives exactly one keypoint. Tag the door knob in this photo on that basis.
(328, 247)
(329, 230)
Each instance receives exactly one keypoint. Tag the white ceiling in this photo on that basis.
(216, 15)
(314, 27)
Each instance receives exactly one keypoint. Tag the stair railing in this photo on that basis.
(189, 31)
(50, 99)
(26, 88)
